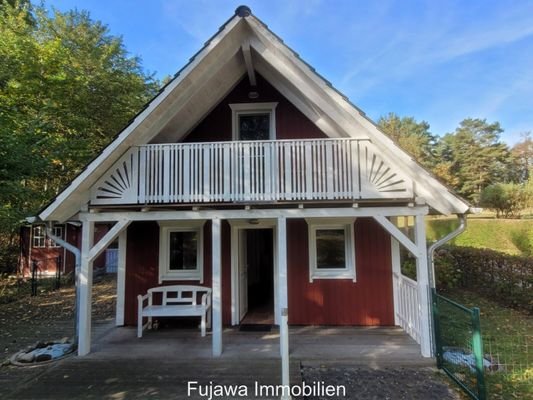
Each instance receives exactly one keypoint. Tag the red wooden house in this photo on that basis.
(251, 175)
(38, 249)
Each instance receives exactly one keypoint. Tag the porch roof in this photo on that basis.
(210, 75)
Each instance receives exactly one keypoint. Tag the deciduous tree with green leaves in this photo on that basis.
(67, 86)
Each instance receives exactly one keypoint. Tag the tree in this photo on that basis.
(477, 157)
(66, 87)
(414, 137)
(507, 199)
(523, 155)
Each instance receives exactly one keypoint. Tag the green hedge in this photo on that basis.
(502, 277)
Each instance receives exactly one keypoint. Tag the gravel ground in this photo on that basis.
(383, 383)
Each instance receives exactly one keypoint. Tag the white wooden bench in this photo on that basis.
(176, 301)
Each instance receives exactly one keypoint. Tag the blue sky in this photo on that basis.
(438, 61)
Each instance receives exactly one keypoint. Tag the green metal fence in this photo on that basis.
(459, 345)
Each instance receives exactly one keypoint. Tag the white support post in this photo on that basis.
(283, 302)
(216, 282)
(422, 274)
(121, 277)
(396, 275)
(85, 291)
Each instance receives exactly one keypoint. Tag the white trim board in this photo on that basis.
(344, 212)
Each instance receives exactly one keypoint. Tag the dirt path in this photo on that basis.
(50, 316)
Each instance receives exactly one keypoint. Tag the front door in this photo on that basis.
(256, 276)
(243, 274)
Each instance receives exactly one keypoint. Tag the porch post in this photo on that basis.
(85, 283)
(422, 277)
(121, 277)
(216, 283)
(283, 302)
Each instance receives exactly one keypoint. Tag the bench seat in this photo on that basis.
(176, 301)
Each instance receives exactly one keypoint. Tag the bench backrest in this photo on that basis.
(179, 294)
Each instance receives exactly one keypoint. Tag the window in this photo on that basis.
(254, 121)
(56, 231)
(180, 251)
(38, 237)
(331, 254)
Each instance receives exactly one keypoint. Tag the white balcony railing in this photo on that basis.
(408, 305)
(253, 171)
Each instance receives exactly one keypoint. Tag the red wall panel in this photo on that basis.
(290, 122)
(142, 263)
(341, 301)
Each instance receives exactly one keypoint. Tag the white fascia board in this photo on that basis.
(350, 118)
(320, 213)
(124, 140)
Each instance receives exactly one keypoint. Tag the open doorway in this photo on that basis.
(256, 276)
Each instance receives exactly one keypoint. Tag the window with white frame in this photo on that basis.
(38, 237)
(181, 251)
(58, 232)
(254, 121)
(331, 249)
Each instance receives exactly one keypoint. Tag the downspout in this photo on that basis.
(431, 264)
(439, 243)
(77, 254)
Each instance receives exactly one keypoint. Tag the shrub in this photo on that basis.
(504, 278)
(507, 199)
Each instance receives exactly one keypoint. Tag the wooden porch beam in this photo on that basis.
(398, 235)
(422, 279)
(216, 287)
(121, 277)
(247, 53)
(283, 299)
(102, 244)
(255, 213)
(85, 282)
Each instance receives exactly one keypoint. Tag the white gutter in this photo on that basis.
(77, 255)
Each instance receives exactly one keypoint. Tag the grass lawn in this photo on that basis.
(495, 234)
(508, 339)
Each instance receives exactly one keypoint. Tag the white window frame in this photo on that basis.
(57, 230)
(349, 271)
(41, 237)
(165, 228)
(239, 109)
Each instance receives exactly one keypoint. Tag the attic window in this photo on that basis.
(254, 121)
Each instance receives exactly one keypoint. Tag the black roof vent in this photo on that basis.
(243, 11)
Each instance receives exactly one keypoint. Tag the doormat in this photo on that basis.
(255, 328)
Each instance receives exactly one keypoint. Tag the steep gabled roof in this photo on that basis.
(210, 74)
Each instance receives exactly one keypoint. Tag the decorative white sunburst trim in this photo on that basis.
(119, 184)
(380, 179)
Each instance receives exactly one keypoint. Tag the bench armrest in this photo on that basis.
(141, 299)
(206, 299)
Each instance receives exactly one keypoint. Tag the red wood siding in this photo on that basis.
(368, 301)
(46, 256)
(323, 302)
(142, 263)
(290, 122)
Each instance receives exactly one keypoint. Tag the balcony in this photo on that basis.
(251, 172)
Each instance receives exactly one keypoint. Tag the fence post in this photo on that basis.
(436, 326)
(477, 346)
(58, 272)
(34, 278)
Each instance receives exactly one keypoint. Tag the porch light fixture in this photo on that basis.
(254, 221)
